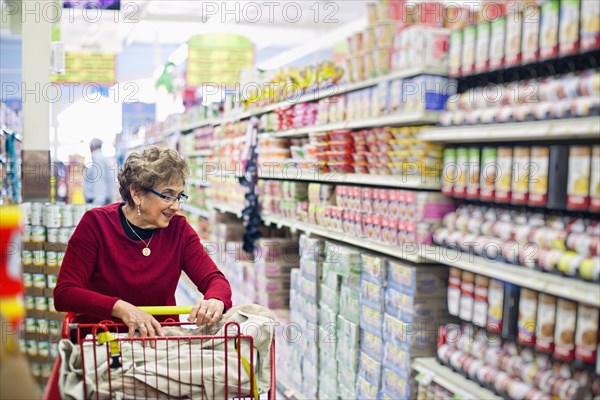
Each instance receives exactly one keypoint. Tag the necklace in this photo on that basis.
(146, 251)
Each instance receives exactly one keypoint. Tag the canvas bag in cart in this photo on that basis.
(181, 361)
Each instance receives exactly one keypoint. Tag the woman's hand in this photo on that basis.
(136, 319)
(206, 312)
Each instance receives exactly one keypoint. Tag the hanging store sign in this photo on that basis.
(85, 67)
(218, 58)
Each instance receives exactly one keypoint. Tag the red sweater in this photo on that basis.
(102, 265)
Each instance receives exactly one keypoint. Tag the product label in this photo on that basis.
(504, 174)
(449, 171)
(480, 307)
(482, 57)
(488, 173)
(590, 25)
(473, 174)
(564, 336)
(469, 43)
(462, 165)
(595, 180)
(538, 176)
(569, 26)
(578, 188)
(549, 29)
(521, 171)
(531, 33)
(586, 340)
(498, 45)
(495, 306)
(527, 317)
(514, 29)
(456, 47)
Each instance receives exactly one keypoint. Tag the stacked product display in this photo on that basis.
(47, 229)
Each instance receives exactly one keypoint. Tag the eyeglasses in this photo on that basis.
(182, 198)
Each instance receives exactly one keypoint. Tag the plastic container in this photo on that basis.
(339, 156)
(341, 145)
(359, 157)
(341, 167)
(340, 135)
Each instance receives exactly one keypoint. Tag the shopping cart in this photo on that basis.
(106, 343)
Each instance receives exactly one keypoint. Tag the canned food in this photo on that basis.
(64, 234)
(41, 303)
(31, 325)
(43, 326)
(39, 257)
(29, 302)
(27, 279)
(39, 281)
(38, 233)
(52, 235)
(51, 258)
(67, 216)
(46, 370)
(60, 256)
(51, 217)
(23, 346)
(43, 349)
(53, 328)
(54, 350)
(25, 213)
(26, 233)
(32, 349)
(36, 214)
(36, 369)
(51, 304)
(51, 280)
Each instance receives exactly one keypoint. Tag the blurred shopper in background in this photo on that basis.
(98, 179)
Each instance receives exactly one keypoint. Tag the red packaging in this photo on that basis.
(586, 338)
(569, 27)
(528, 305)
(564, 334)
(530, 46)
(454, 291)
(367, 199)
(467, 288)
(514, 32)
(549, 28)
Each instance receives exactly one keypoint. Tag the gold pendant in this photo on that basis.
(146, 251)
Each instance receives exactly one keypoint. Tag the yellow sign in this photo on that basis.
(83, 67)
(218, 58)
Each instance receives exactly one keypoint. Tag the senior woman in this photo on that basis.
(131, 254)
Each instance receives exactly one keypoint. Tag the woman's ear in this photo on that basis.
(136, 195)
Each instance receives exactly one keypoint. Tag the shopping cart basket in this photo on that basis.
(225, 364)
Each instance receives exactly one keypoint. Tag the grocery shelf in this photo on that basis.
(408, 253)
(431, 371)
(198, 153)
(225, 208)
(198, 182)
(405, 118)
(195, 210)
(568, 288)
(221, 142)
(198, 124)
(560, 129)
(312, 175)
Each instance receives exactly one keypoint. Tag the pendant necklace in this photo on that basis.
(146, 251)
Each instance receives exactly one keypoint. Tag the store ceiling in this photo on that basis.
(282, 24)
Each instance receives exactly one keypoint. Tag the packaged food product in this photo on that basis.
(462, 166)
(467, 296)
(482, 55)
(528, 305)
(473, 174)
(558, 176)
(504, 165)
(549, 27)
(498, 44)
(531, 34)
(469, 46)
(569, 26)
(514, 29)
(480, 306)
(521, 170)
(488, 168)
(586, 338)
(449, 171)
(564, 334)
(510, 312)
(456, 47)
(538, 175)
(595, 179)
(590, 27)
(546, 319)
(578, 191)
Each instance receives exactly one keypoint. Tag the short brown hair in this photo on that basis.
(150, 168)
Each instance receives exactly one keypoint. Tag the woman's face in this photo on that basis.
(156, 211)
